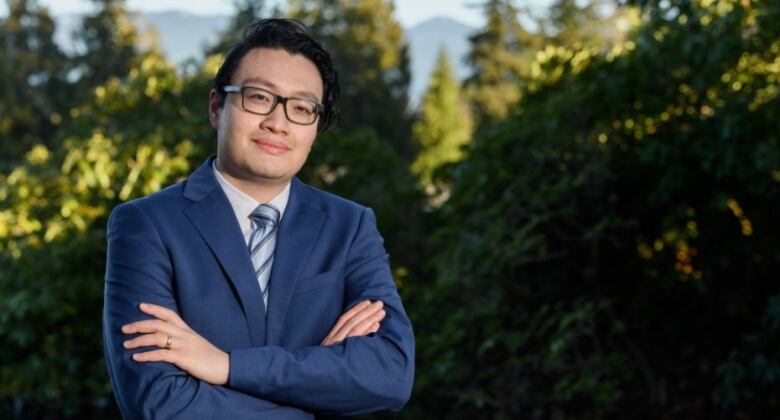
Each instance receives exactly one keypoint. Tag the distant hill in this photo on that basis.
(183, 35)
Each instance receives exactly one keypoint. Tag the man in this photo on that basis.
(242, 292)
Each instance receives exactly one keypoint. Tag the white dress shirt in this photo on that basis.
(243, 205)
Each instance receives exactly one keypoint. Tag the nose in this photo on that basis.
(276, 121)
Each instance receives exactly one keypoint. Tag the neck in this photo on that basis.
(262, 190)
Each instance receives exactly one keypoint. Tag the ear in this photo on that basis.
(216, 104)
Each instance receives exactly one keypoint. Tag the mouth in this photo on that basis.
(270, 146)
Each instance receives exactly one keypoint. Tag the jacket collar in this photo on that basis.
(213, 217)
(298, 232)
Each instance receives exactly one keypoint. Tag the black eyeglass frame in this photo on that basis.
(318, 108)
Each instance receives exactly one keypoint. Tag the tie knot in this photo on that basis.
(265, 214)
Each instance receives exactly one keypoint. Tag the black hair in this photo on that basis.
(292, 36)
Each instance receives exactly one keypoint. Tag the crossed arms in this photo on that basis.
(352, 370)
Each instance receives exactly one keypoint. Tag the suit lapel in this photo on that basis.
(213, 217)
(298, 232)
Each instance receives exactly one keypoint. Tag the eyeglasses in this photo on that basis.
(263, 102)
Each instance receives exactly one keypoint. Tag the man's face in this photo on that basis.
(265, 148)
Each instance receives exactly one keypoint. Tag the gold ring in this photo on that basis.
(168, 343)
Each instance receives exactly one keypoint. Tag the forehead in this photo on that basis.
(287, 74)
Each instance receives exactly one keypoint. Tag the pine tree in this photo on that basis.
(575, 23)
(371, 55)
(110, 44)
(500, 54)
(33, 91)
(445, 123)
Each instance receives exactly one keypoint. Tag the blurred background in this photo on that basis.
(580, 198)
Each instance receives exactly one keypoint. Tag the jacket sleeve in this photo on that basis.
(362, 374)
(138, 269)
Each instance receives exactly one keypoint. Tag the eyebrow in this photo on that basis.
(266, 83)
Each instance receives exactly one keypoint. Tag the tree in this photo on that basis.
(574, 22)
(130, 138)
(371, 55)
(445, 126)
(606, 249)
(110, 45)
(34, 96)
(500, 55)
(592, 23)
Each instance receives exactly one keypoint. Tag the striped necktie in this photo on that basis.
(262, 242)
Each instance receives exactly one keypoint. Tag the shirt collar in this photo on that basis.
(243, 204)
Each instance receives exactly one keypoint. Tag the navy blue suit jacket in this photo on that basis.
(182, 248)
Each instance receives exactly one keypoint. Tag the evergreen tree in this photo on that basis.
(371, 55)
(610, 250)
(589, 23)
(572, 21)
(445, 125)
(500, 54)
(33, 91)
(110, 42)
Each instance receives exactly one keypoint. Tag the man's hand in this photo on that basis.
(361, 319)
(179, 345)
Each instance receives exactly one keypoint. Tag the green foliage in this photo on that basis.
(33, 87)
(627, 199)
(110, 47)
(500, 55)
(131, 138)
(41, 84)
(752, 371)
(588, 23)
(608, 242)
(445, 124)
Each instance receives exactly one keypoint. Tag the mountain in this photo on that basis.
(183, 35)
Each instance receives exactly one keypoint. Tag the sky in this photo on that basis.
(408, 12)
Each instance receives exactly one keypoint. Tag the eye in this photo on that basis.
(258, 96)
(302, 109)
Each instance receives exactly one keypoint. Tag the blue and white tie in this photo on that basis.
(262, 243)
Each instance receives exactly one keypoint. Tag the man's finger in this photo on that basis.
(155, 356)
(149, 326)
(163, 313)
(366, 326)
(154, 339)
(346, 316)
(341, 334)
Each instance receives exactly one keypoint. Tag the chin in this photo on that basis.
(266, 173)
